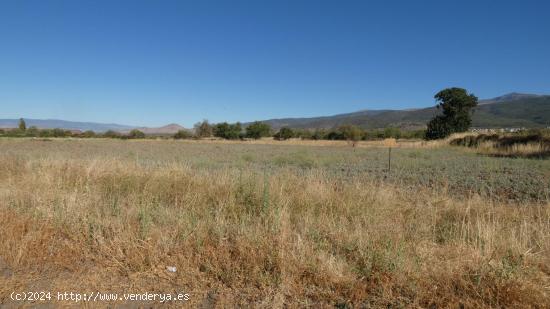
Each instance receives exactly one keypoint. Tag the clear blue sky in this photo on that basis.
(157, 62)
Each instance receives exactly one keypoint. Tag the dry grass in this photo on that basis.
(519, 145)
(404, 143)
(265, 239)
(528, 150)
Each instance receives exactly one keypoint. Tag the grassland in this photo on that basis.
(274, 225)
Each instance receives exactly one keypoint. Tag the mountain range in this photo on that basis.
(510, 110)
(63, 124)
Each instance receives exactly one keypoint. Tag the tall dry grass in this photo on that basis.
(522, 144)
(529, 150)
(239, 237)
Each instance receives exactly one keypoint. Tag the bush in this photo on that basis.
(135, 133)
(111, 134)
(284, 134)
(228, 131)
(60, 133)
(351, 133)
(303, 133)
(258, 130)
(390, 132)
(203, 129)
(88, 134)
(319, 134)
(182, 134)
(334, 135)
(32, 131)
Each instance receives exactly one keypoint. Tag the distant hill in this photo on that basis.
(85, 126)
(167, 129)
(510, 110)
(63, 124)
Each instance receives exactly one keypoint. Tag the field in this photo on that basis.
(275, 224)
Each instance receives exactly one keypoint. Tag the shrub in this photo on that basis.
(303, 133)
(111, 134)
(228, 131)
(135, 133)
(182, 134)
(45, 133)
(32, 131)
(351, 133)
(284, 134)
(203, 129)
(391, 132)
(319, 134)
(60, 133)
(334, 135)
(258, 130)
(88, 134)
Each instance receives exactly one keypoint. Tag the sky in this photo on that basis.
(157, 62)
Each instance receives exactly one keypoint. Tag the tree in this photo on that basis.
(258, 130)
(438, 128)
(111, 134)
(456, 105)
(303, 133)
(182, 134)
(334, 135)
(203, 129)
(57, 132)
(391, 132)
(319, 134)
(284, 134)
(228, 131)
(22, 125)
(135, 133)
(351, 133)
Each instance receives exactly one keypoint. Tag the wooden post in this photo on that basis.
(390, 142)
(389, 160)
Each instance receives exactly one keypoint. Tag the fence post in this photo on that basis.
(389, 160)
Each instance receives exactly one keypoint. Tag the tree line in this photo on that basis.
(258, 129)
(229, 131)
(456, 106)
(23, 131)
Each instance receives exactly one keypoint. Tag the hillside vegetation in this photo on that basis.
(513, 110)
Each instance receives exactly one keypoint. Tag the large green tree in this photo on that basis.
(457, 106)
